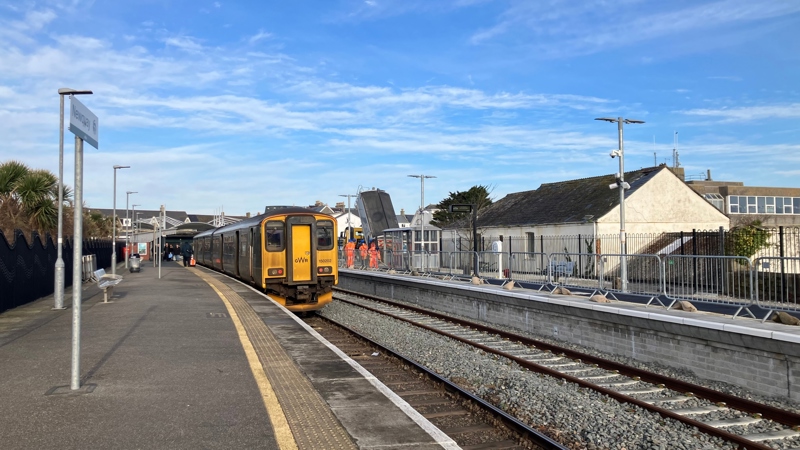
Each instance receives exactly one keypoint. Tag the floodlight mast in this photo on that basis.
(422, 210)
(349, 227)
(114, 223)
(623, 263)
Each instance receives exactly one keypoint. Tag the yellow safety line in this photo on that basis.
(283, 434)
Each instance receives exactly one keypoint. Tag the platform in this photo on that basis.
(761, 356)
(190, 360)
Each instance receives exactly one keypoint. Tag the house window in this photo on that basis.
(715, 199)
(530, 238)
(739, 204)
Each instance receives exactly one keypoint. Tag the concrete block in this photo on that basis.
(747, 331)
(786, 337)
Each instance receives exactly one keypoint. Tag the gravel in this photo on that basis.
(577, 417)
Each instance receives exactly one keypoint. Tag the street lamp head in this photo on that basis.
(131, 192)
(607, 119)
(122, 167)
(633, 121)
(68, 91)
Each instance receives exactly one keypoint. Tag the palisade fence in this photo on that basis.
(27, 269)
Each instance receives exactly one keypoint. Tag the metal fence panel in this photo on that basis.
(529, 267)
(776, 282)
(644, 275)
(711, 279)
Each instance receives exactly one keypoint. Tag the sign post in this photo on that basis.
(466, 208)
(85, 126)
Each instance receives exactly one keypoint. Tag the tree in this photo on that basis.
(747, 240)
(28, 199)
(476, 195)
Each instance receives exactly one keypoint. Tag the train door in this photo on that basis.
(256, 247)
(249, 259)
(235, 245)
(301, 255)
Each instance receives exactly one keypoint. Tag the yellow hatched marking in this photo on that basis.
(312, 421)
(283, 433)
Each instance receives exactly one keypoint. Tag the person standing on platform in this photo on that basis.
(362, 250)
(187, 254)
(350, 252)
(374, 256)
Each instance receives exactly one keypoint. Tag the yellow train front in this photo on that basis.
(288, 252)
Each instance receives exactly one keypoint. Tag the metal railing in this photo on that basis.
(770, 283)
(726, 280)
(645, 276)
(776, 283)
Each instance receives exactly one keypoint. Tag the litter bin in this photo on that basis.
(135, 263)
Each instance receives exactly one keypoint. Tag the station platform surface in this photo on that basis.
(190, 360)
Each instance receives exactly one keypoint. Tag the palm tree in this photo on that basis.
(28, 198)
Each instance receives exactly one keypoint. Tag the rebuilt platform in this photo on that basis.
(763, 357)
(191, 360)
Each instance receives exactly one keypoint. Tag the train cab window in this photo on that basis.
(325, 239)
(274, 236)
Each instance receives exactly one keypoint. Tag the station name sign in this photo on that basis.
(82, 122)
(460, 208)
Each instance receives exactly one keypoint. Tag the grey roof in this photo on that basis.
(143, 213)
(563, 202)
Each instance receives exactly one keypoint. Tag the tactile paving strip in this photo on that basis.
(312, 423)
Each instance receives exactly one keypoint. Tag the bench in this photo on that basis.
(562, 269)
(106, 282)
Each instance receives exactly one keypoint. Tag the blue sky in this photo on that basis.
(242, 104)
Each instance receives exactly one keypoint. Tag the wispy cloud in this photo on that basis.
(748, 113)
(587, 27)
(186, 43)
(261, 35)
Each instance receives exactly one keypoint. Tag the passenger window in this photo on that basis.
(325, 235)
(274, 236)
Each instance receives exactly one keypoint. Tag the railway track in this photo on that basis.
(741, 422)
(471, 422)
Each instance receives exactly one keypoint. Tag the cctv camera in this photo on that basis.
(614, 153)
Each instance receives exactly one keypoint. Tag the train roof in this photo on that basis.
(269, 211)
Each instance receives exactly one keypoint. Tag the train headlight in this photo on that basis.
(324, 269)
(275, 272)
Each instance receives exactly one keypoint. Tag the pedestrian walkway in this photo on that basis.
(191, 360)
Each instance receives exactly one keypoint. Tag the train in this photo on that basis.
(290, 253)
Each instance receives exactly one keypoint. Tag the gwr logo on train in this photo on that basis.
(301, 259)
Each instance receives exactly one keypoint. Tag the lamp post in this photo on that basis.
(127, 197)
(422, 210)
(135, 224)
(114, 224)
(623, 263)
(349, 227)
(59, 269)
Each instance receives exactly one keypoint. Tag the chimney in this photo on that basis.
(402, 212)
(247, 215)
(708, 176)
